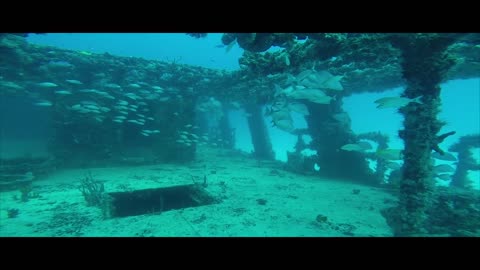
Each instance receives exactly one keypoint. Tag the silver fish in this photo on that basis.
(396, 102)
(47, 84)
(443, 168)
(446, 156)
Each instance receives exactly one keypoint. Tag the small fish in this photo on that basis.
(310, 73)
(343, 118)
(299, 107)
(76, 82)
(352, 147)
(287, 60)
(121, 107)
(152, 97)
(282, 114)
(133, 121)
(91, 107)
(396, 102)
(446, 156)
(85, 53)
(444, 176)
(47, 84)
(393, 165)
(113, 85)
(134, 85)
(333, 83)
(365, 145)
(76, 107)
(313, 95)
(101, 93)
(10, 85)
(63, 92)
(87, 91)
(390, 154)
(235, 104)
(322, 100)
(132, 96)
(279, 91)
(443, 168)
(319, 79)
(43, 103)
(285, 125)
(291, 79)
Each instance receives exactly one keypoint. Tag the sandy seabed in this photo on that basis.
(258, 198)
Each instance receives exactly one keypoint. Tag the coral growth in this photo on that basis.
(93, 191)
(425, 64)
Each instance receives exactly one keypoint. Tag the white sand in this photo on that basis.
(293, 203)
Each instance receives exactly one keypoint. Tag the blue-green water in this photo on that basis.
(128, 132)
